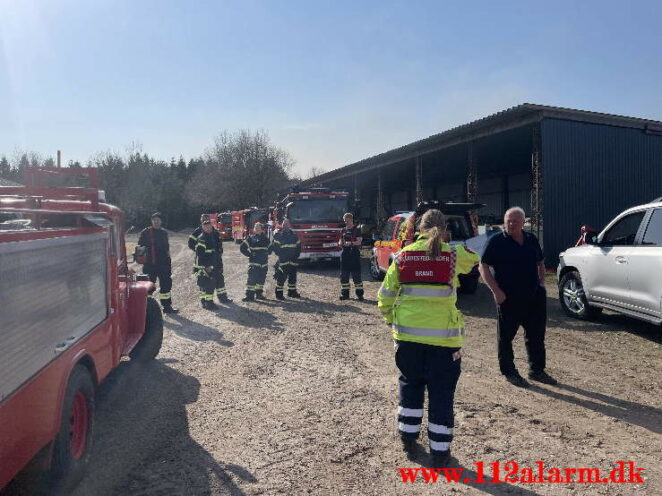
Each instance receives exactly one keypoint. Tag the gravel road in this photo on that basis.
(299, 397)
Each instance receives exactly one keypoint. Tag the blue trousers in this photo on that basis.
(428, 367)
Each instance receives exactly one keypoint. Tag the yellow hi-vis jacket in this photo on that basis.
(426, 313)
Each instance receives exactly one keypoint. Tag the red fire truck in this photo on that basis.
(316, 217)
(244, 220)
(70, 309)
(223, 224)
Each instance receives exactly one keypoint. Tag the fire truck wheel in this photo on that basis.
(150, 344)
(468, 283)
(71, 448)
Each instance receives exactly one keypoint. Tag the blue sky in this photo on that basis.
(331, 81)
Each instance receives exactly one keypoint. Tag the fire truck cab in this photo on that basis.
(223, 224)
(316, 217)
(71, 309)
(402, 228)
(243, 222)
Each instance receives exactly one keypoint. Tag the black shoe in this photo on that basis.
(441, 459)
(260, 296)
(224, 299)
(170, 309)
(279, 296)
(517, 380)
(360, 297)
(248, 298)
(408, 444)
(211, 305)
(204, 304)
(343, 297)
(293, 294)
(543, 377)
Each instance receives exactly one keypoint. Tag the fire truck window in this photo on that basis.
(458, 228)
(388, 230)
(53, 221)
(17, 222)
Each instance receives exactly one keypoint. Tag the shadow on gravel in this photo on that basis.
(607, 322)
(142, 440)
(305, 305)
(195, 332)
(250, 316)
(645, 416)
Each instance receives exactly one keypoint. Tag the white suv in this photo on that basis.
(619, 269)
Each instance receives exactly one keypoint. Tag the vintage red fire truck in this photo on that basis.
(244, 220)
(70, 309)
(316, 217)
(223, 224)
(401, 229)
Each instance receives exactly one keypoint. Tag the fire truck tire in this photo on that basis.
(72, 446)
(150, 344)
(468, 283)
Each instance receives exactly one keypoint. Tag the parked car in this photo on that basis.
(397, 234)
(619, 269)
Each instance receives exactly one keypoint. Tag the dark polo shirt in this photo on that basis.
(515, 266)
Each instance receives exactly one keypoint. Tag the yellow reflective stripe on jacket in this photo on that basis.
(430, 332)
(289, 246)
(427, 291)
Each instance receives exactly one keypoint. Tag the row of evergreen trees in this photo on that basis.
(240, 170)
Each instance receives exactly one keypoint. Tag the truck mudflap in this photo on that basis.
(53, 293)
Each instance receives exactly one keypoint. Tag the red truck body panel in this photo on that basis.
(46, 220)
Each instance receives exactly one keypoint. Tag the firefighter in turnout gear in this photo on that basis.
(208, 266)
(350, 258)
(193, 238)
(158, 264)
(256, 248)
(417, 299)
(287, 247)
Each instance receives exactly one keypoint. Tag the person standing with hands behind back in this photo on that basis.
(518, 286)
(350, 258)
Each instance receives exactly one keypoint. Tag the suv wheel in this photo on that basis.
(573, 298)
(375, 273)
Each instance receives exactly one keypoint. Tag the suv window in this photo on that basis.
(624, 231)
(653, 234)
(388, 230)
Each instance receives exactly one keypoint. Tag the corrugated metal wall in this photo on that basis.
(591, 173)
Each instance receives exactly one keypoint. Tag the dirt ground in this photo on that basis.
(299, 397)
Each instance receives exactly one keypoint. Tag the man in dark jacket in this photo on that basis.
(350, 258)
(193, 238)
(158, 264)
(193, 241)
(208, 267)
(256, 248)
(287, 247)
